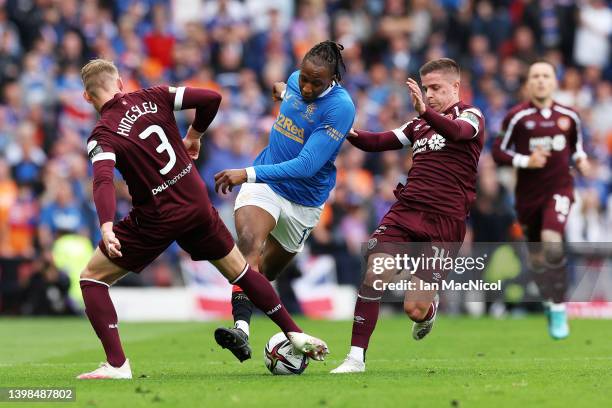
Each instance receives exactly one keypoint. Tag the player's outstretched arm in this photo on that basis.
(374, 141)
(226, 180)
(316, 152)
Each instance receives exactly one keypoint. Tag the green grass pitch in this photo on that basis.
(463, 363)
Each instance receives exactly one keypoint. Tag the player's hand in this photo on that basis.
(228, 179)
(352, 133)
(192, 143)
(112, 244)
(538, 158)
(584, 166)
(277, 90)
(417, 96)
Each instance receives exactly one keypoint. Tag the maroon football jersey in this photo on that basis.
(442, 178)
(138, 131)
(557, 130)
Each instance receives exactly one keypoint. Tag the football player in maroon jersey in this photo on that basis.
(137, 134)
(541, 138)
(446, 139)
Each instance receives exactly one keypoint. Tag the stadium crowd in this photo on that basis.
(240, 48)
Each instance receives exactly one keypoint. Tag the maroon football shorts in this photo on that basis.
(549, 214)
(142, 240)
(405, 225)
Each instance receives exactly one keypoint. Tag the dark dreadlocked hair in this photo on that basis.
(329, 53)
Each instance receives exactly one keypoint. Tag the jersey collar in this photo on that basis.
(111, 102)
(545, 112)
(328, 90)
(451, 109)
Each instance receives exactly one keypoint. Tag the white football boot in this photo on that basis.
(108, 372)
(309, 345)
(422, 329)
(349, 365)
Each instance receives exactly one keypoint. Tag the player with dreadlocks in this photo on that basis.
(291, 178)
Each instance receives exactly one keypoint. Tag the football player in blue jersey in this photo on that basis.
(291, 178)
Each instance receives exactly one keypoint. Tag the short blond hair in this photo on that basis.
(96, 74)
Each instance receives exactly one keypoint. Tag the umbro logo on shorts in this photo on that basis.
(372, 243)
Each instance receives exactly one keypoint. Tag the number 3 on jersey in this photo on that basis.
(165, 145)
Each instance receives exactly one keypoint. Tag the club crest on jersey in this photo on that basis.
(564, 123)
(310, 109)
(530, 124)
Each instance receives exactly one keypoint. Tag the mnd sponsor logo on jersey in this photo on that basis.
(169, 183)
(556, 143)
(132, 115)
(434, 142)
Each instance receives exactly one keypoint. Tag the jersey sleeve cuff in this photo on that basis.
(282, 95)
(178, 98)
(104, 156)
(520, 161)
(251, 175)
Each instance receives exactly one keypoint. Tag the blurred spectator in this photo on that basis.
(62, 214)
(47, 291)
(592, 46)
(572, 92)
(25, 156)
(492, 215)
(8, 197)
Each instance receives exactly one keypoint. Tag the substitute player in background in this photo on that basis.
(541, 138)
(446, 139)
(137, 134)
(290, 179)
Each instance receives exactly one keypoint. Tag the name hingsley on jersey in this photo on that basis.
(132, 114)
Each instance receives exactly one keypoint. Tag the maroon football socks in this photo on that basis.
(103, 317)
(366, 316)
(264, 297)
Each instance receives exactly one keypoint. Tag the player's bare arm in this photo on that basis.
(278, 91)
(226, 180)
(112, 244)
(584, 166)
(192, 142)
(417, 96)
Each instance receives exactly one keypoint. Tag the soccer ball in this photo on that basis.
(281, 358)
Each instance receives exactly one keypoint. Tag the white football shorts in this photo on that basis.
(294, 222)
